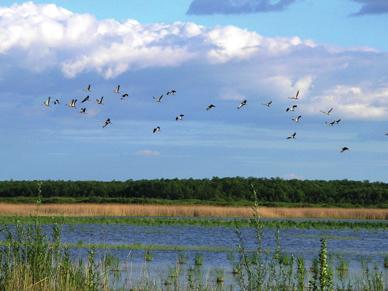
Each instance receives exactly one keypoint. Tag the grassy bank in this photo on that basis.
(109, 210)
(207, 222)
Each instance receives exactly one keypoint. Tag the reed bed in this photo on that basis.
(109, 210)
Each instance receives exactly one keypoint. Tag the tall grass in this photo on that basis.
(34, 259)
(81, 209)
(273, 270)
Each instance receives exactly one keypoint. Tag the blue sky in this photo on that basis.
(334, 52)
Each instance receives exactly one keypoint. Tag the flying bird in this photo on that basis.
(85, 99)
(89, 88)
(107, 122)
(327, 112)
(297, 119)
(179, 117)
(56, 101)
(47, 102)
(117, 89)
(292, 136)
(72, 103)
(99, 101)
(124, 96)
(292, 108)
(330, 123)
(156, 129)
(333, 122)
(158, 99)
(295, 97)
(210, 106)
(242, 103)
(268, 104)
(345, 149)
(83, 110)
(172, 92)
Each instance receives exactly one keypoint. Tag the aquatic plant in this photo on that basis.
(325, 277)
(34, 258)
(301, 273)
(198, 260)
(148, 255)
(206, 222)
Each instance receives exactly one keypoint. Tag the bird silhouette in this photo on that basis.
(47, 102)
(85, 99)
(210, 106)
(297, 119)
(292, 136)
(268, 104)
(99, 101)
(327, 112)
(345, 149)
(292, 108)
(172, 92)
(242, 104)
(295, 97)
(179, 117)
(117, 89)
(72, 103)
(156, 129)
(158, 99)
(107, 122)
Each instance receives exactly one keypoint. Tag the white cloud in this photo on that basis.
(79, 42)
(354, 102)
(243, 63)
(147, 153)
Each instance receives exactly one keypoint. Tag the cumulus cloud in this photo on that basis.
(372, 7)
(354, 102)
(228, 62)
(203, 7)
(147, 153)
(47, 35)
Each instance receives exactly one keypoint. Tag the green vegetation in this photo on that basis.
(208, 222)
(221, 191)
(33, 260)
(264, 270)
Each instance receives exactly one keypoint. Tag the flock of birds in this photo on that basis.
(117, 90)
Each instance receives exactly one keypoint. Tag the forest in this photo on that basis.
(236, 190)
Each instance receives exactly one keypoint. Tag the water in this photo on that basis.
(353, 245)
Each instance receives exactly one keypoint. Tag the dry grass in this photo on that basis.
(7, 209)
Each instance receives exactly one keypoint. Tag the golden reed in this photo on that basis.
(79, 209)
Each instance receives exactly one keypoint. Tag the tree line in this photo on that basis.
(225, 190)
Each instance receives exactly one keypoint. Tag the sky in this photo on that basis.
(213, 51)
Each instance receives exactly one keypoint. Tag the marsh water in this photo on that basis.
(215, 244)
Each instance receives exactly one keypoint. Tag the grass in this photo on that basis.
(148, 248)
(93, 209)
(33, 260)
(158, 201)
(188, 221)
